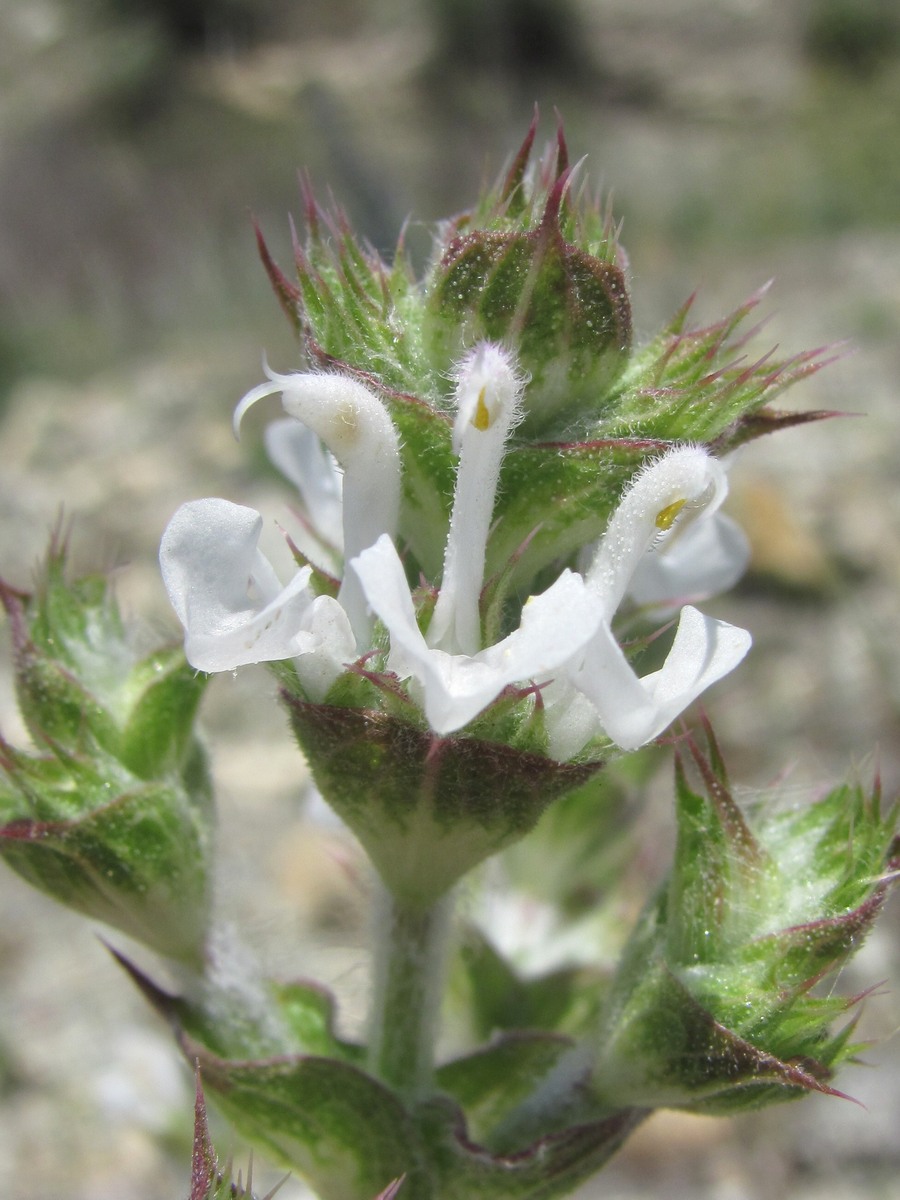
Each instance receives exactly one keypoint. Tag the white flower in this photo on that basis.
(233, 607)
(710, 558)
(564, 642)
(231, 603)
(454, 688)
(702, 557)
(299, 455)
(355, 426)
(676, 489)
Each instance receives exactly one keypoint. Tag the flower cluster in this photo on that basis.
(491, 476)
(723, 999)
(508, 516)
(562, 649)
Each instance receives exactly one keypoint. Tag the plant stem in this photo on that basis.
(408, 976)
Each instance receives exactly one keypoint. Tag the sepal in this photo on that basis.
(79, 683)
(211, 1180)
(695, 382)
(541, 274)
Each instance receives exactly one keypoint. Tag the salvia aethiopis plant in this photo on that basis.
(509, 516)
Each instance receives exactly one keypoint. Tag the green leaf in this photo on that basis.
(491, 1083)
(343, 1131)
(551, 1166)
(308, 1010)
(563, 1001)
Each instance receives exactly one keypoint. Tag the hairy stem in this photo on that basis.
(408, 976)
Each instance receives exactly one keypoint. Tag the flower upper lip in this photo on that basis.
(355, 426)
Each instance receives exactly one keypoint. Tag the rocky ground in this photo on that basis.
(738, 149)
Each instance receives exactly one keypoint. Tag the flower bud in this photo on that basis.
(539, 274)
(715, 1007)
(112, 815)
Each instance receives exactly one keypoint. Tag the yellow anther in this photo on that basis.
(482, 418)
(665, 518)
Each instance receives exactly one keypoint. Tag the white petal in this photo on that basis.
(298, 454)
(383, 581)
(633, 711)
(709, 557)
(355, 426)
(570, 719)
(210, 562)
(456, 687)
(554, 626)
(324, 646)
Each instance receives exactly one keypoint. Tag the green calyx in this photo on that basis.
(533, 269)
(427, 809)
(112, 816)
(715, 1007)
(80, 685)
(536, 267)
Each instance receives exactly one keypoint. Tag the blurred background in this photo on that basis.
(741, 140)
